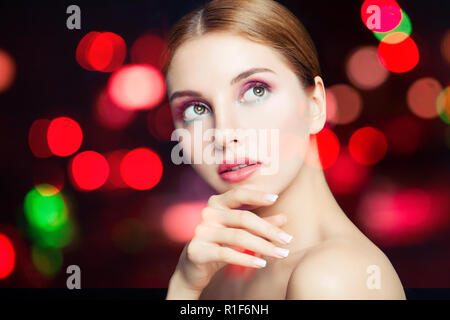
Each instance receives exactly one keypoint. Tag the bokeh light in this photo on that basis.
(89, 170)
(111, 116)
(141, 169)
(381, 15)
(331, 104)
(445, 46)
(443, 105)
(114, 158)
(45, 212)
(64, 136)
(346, 176)
(101, 51)
(368, 145)
(179, 220)
(107, 52)
(328, 148)
(400, 33)
(47, 189)
(48, 220)
(83, 48)
(137, 87)
(48, 261)
(349, 103)
(422, 97)
(398, 57)
(14, 255)
(56, 238)
(7, 256)
(364, 69)
(37, 138)
(399, 217)
(160, 123)
(7, 70)
(148, 49)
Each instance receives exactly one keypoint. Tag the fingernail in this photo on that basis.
(259, 262)
(269, 197)
(281, 252)
(285, 237)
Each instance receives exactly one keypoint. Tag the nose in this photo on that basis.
(225, 138)
(224, 132)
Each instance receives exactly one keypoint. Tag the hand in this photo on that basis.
(221, 227)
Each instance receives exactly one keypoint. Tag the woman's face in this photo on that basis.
(272, 99)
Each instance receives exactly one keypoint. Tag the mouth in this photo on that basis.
(239, 170)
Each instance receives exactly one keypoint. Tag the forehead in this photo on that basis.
(218, 57)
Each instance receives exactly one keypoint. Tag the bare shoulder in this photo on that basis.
(344, 268)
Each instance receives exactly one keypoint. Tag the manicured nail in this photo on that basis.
(259, 262)
(269, 197)
(285, 237)
(281, 252)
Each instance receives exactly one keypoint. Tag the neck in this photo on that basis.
(309, 205)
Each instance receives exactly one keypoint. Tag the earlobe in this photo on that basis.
(317, 118)
(317, 107)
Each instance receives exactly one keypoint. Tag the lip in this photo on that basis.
(238, 175)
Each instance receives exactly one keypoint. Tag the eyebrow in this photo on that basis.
(238, 78)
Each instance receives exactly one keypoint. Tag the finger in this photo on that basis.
(204, 252)
(234, 257)
(277, 220)
(241, 238)
(255, 224)
(236, 197)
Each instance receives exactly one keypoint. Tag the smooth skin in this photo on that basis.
(329, 257)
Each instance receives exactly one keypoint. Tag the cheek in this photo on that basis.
(193, 156)
(192, 148)
(195, 141)
(295, 113)
(292, 146)
(281, 110)
(185, 145)
(293, 129)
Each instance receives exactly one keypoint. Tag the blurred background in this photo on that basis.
(86, 173)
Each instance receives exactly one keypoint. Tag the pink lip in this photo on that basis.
(238, 175)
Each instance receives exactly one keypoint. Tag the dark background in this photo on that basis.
(50, 83)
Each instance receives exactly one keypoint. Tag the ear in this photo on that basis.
(317, 106)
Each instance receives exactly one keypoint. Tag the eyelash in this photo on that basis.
(179, 111)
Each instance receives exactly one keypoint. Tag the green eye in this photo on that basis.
(259, 91)
(194, 111)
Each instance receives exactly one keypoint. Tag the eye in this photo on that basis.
(256, 89)
(194, 111)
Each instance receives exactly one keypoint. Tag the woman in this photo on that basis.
(250, 64)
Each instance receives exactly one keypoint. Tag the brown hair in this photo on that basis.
(263, 21)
